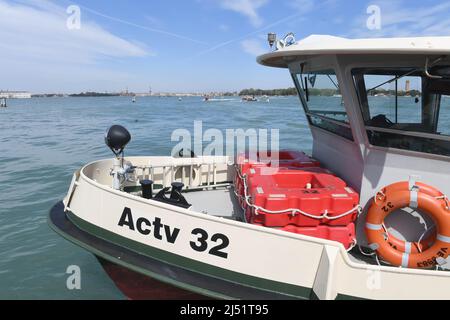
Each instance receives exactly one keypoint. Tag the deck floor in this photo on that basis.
(220, 202)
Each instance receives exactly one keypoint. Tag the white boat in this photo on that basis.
(265, 99)
(200, 241)
(3, 103)
(249, 99)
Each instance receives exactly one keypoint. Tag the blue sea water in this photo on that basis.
(44, 140)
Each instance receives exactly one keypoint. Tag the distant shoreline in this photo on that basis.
(94, 94)
(243, 93)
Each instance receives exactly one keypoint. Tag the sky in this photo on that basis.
(180, 45)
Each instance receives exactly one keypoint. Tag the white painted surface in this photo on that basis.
(261, 252)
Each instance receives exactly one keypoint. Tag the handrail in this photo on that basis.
(192, 173)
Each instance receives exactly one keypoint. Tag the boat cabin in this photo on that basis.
(378, 109)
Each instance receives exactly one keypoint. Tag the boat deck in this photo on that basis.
(208, 189)
(220, 202)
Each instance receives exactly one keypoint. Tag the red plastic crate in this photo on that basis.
(286, 159)
(311, 191)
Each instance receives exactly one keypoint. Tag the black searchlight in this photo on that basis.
(116, 138)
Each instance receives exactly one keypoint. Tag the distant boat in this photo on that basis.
(265, 99)
(3, 103)
(133, 100)
(249, 99)
(180, 99)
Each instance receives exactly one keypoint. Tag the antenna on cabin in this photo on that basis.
(271, 38)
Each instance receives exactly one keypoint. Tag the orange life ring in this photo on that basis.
(405, 246)
(400, 195)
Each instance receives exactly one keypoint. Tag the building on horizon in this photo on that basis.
(15, 94)
(408, 86)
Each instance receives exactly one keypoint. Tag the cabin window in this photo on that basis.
(443, 125)
(403, 108)
(322, 100)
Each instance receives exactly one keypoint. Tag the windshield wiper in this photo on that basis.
(427, 65)
(335, 84)
(394, 79)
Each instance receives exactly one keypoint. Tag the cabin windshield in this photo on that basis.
(405, 109)
(321, 98)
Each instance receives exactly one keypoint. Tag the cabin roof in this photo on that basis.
(325, 45)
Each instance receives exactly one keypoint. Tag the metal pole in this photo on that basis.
(396, 101)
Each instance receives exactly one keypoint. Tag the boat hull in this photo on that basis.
(136, 286)
(160, 280)
(219, 257)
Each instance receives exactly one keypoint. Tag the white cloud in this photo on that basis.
(46, 31)
(253, 47)
(35, 34)
(401, 20)
(248, 8)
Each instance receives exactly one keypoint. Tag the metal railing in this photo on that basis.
(194, 176)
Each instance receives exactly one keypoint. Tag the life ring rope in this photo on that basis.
(445, 198)
(382, 198)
